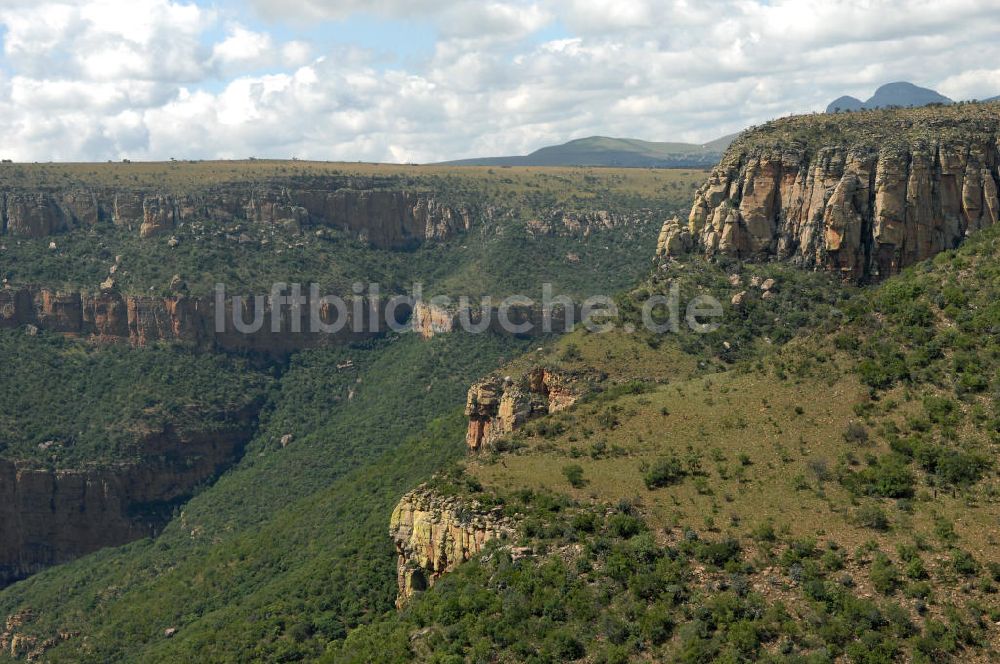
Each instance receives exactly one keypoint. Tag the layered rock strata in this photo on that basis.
(386, 219)
(434, 534)
(139, 320)
(499, 406)
(430, 320)
(864, 212)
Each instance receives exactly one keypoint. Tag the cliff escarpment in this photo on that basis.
(386, 219)
(50, 516)
(863, 194)
(141, 320)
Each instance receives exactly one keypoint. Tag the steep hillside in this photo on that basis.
(861, 194)
(832, 498)
(121, 403)
(812, 481)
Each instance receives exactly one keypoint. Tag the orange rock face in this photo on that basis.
(861, 212)
(112, 316)
(386, 219)
(499, 406)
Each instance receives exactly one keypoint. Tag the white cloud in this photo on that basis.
(98, 79)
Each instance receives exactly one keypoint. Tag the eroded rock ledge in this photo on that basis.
(862, 211)
(434, 534)
(498, 406)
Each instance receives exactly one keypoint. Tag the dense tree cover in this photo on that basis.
(288, 550)
(287, 555)
(603, 588)
(66, 403)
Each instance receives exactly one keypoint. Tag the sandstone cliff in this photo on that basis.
(863, 196)
(113, 316)
(387, 219)
(429, 319)
(435, 534)
(499, 406)
(50, 516)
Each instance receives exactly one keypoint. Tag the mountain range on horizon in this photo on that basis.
(636, 153)
(620, 152)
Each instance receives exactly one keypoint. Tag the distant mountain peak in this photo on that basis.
(897, 93)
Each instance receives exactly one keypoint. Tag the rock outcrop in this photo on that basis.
(860, 207)
(583, 224)
(523, 320)
(498, 406)
(434, 534)
(49, 517)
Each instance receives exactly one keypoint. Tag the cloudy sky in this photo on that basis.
(425, 80)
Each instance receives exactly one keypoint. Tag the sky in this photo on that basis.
(429, 80)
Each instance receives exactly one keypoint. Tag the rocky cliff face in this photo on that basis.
(50, 516)
(858, 208)
(112, 316)
(435, 534)
(386, 219)
(499, 406)
(583, 224)
(430, 320)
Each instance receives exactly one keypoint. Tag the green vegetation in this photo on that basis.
(605, 151)
(67, 403)
(288, 550)
(812, 482)
(875, 129)
(496, 258)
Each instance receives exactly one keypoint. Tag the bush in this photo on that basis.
(718, 553)
(574, 475)
(872, 516)
(963, 563)
(884, 575)
(856, 433)
(663, 472)
(887, 477)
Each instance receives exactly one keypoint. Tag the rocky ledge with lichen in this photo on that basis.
(433, 534)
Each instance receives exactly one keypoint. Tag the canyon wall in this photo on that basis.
(51, 516)
(863, 212)
(434, 534)
(112, 316)
(386, 219)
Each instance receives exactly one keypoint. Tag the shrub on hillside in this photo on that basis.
(663, 472)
